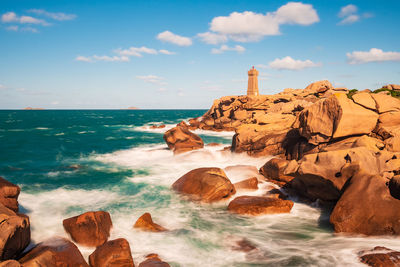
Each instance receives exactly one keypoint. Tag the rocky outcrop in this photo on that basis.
(367, 207)
(276, 169)
(153, 260)
(113, 253)
(15, 233)
(10, 263)
(145, 223)
(180, 139)
(394, 87)
(54, 252)
(253, 205)
(9, 193)
(248, 184)
(205, 184)
(380, 257)
(90, 229)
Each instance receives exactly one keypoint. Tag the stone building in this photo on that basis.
(252, 87)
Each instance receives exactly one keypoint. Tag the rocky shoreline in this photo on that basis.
(336, 147)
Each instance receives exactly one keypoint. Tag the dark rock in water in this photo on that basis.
(205, 184)
(15, 233)
(153, 260)
(145, 222)
(89, 229)
(113, 253)
(380, 257)
(180, 139)
(244, 245)
(9, 193)
(366, 207)
(252, 205)
(56, 251)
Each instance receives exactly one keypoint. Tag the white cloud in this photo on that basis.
(166, 52)
(17, 28)
(14, 28)
(349, 19)
(136, 51)
(288, 63)
(224, 48)
(172, 38)
(96, 58)
(347, 11)
(11, 17)
(152, 79)
(56, 16)
(212, 38)
(373, 55)
(248, 26)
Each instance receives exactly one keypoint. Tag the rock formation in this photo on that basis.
(9, 193)
(180, 139)
(380, 257)
(113, 253)
(145, 222)
(252, 205)
(90, 229)
(153, 260)
(205, 184)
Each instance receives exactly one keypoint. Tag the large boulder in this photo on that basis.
(205, 184)
(54, 252)
(153, 260)
(113, 253)
(334, 117)
(180, 139)
(90, 229)
(253, 205)
(145, 223)
(248, 184)
(15, 233)
(317, 88)
(10, 263)
(9, 193)
(380, 257)
(367, 207)
(386, 103)
(275, 168)
(323, 175)
(364, 99)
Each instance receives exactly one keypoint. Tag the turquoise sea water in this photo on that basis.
(69, 162)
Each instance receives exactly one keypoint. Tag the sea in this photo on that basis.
(68, 162)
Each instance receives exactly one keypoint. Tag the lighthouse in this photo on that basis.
(252, 87)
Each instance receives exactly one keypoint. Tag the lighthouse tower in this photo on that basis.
(252, 87)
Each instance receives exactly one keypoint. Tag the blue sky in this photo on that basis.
(183, 54)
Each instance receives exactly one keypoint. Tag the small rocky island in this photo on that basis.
(333, 147)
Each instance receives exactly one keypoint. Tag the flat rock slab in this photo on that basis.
(253, 205)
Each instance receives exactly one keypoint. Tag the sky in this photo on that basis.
(81, 54)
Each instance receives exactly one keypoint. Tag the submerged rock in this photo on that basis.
(145, 222)
(113, 253)
(180, 139)
(248, 184)
(9, 193)
(205, 184)
(15, 233)
(54, 252)
(380, 257)
(253, 205)
(90, 229)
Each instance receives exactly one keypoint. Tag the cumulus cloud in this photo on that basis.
(212, 38)
(12, 17)
(136, 51)
(249, 26)
(349, 15)
(166, 52)
(154, 79)
(96, 58)
(173, 38)
(373, 55)
(53, 15)
(224, 48)
(288, 63)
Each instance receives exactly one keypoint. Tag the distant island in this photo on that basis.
(31, 108)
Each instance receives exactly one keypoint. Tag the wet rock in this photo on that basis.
(180, 139)
(205, 184)
(15, 233)
(274, 169)
(248, 184)
(145, 222)
(367, 207)
(54, 252)
(153, 260)
(380, 257)
(334, 117)
(113, 253)
(161, 126)
(90, 229)
(10, 263)
(253, 205)
(213, 144)
(9, 193)
(244, 245)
